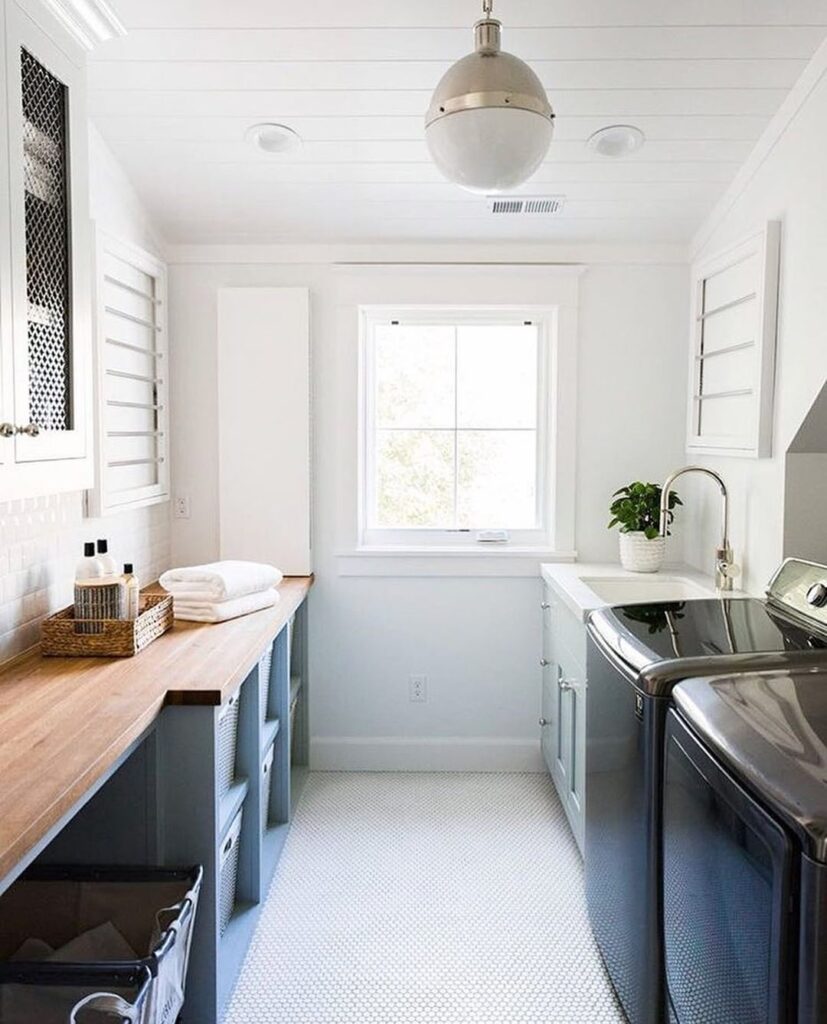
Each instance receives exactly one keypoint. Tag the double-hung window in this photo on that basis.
(455, 424)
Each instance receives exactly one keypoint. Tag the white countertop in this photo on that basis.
(567, 579)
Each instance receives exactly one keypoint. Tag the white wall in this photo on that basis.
(41, 539)
(787, 184)
(477, 639)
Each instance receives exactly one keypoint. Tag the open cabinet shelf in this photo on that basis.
(270, 765)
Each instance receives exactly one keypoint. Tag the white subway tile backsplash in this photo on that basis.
(41, 539)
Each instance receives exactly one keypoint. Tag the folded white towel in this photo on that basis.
(220, 581)
(220, 611)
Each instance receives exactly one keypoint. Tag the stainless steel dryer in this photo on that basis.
(745, 850)
(636, 656)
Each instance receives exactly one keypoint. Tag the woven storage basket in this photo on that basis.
(106, 638)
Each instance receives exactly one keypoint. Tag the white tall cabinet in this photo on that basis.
(45, 287)
(264, 426)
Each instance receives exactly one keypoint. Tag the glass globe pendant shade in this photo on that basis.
(489, 149)
(490, 123)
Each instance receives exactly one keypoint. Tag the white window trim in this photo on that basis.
(427, 552)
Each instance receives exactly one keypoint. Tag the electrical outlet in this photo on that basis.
(418, 689)
(182, 507)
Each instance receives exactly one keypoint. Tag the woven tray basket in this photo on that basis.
(120, 638)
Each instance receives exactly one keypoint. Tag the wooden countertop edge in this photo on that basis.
(197, 647)
(65, 801)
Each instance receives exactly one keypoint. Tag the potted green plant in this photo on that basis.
(636, 510)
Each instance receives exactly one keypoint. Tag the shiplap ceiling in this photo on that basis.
(174, 97)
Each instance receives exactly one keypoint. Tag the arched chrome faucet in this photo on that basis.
(725, 568)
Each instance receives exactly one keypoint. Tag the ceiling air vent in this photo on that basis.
(526, 204)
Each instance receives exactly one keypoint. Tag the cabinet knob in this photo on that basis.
(544, 662)
(545, 605)
(544, 722)
(566, 684)
(6, 430)
(31, 429)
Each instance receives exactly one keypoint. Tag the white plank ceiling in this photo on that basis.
(174, 97)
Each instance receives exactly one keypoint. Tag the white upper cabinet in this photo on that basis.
(6, 381)
(731, 376)
(46, 341)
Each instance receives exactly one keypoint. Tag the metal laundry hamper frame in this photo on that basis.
(151, 977)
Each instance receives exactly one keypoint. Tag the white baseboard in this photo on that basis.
(424, 754)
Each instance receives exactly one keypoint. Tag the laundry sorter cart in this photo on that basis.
(51, 919)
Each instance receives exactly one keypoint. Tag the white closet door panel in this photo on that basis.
(730, 371)
(133, 413)
(128, 360)
(732, 354)
(121, 418)
(733, 326)
(137, 446)
(129, 302)
(731, 283)
(126, 479)
(120, 277)
(264, 426)
(730, 418)
(127, 389)
(118, 328)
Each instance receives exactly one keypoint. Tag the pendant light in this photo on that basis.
(490, 123)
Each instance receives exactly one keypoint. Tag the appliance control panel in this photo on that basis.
(801, 588)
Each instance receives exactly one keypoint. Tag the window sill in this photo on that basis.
(505, 561)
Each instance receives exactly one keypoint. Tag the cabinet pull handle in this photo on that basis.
(31, 429)
(6, 430)
(544, 662)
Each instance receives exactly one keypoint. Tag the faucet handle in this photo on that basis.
(726, 570)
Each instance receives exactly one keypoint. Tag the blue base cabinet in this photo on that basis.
(175, 797)
(563, 704)
(199, 806)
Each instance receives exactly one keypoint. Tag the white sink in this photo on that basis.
(584, 586)
(622, 590)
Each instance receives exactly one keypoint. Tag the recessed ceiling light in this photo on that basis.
(273, 138)
(616, 140)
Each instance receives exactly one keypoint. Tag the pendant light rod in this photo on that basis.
(487, 31)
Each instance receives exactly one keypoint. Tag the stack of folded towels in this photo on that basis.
(221, 590)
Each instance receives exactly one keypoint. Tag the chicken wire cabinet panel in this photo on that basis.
(45, 420)
(6, 381)
(735, 299)
(264, 426)
(132, 378)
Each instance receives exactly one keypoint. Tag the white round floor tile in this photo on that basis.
(426, 899)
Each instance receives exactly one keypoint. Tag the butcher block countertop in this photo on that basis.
(65, 722)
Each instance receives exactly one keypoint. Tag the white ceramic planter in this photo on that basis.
(639, 554)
